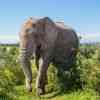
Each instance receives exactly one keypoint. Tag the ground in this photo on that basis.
(72, 95)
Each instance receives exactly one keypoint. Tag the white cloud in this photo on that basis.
(8, 38)
(89, 37)
(93, 37)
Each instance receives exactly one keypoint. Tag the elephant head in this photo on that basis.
(36, 35)
(36, 32)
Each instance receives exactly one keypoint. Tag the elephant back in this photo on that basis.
(66, 46)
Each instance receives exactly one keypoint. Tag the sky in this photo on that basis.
(81, 15)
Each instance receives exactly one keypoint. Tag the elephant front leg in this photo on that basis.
(26, 67)
(42, 76)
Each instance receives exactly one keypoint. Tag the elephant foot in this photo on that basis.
(29, 89)
(40, 91)
(28, 86)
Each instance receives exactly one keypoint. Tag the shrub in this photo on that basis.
(84, 72)
(89, 68)
(7, 90)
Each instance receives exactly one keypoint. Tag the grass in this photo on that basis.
(53, 94)
(91, 77)
(22, 94)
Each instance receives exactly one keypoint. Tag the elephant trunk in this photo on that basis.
(26, 67)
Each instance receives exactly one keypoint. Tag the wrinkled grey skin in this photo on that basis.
(47, 41)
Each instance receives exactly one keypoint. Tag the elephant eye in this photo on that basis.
(29, 31)
(34, 25)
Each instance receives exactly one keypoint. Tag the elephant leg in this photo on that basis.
(42, 76)
(26, 67)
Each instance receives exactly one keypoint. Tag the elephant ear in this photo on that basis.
(50, 31)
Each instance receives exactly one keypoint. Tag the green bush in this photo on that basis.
(89, 68)
(84, 73)
(9, 61)
(10, 72)
(6, 86)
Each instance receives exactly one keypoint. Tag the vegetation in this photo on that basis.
(80, 82)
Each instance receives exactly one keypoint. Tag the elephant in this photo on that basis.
(48, 42)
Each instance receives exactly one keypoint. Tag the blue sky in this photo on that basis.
(82, 15)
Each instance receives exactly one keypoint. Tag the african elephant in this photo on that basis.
(47, 41)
